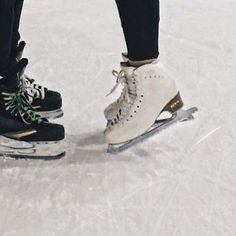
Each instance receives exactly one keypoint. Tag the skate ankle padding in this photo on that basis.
(142, 63)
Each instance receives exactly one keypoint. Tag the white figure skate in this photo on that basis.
(151, 91)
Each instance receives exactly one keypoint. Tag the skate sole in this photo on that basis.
(51, 115)
(23, 150)
(159, 125)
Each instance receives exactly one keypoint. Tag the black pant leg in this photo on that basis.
(16, 34)
(140, 22)
(7, 18)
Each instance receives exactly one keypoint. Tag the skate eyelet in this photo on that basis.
(140, 101)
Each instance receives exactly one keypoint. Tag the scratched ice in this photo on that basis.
(181, 182)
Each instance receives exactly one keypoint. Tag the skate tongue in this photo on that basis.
(21, 66)
(19, 50)
(11, 81)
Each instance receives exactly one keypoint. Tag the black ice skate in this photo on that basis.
(46, 103)
(23, 133)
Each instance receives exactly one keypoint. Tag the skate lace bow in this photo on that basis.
(120, 79)
(18, 104)
(33, 90)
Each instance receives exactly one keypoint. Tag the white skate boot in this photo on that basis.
(151, 91)
(121, 78)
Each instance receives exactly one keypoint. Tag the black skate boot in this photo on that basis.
(23, 133)
(46, 103)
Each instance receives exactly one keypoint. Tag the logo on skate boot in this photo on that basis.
(20, 135)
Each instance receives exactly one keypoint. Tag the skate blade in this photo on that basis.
(51, 115)
(160, 125)
(37, 151)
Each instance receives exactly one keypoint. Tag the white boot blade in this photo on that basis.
(14, 144)
(160, 125)
(23, 150)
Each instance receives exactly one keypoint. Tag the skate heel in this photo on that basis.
(174, 105)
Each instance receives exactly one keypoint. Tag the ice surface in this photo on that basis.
(179, 183)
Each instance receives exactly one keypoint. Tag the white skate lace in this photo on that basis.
(120, 80)
(32, 89)
(129, 99)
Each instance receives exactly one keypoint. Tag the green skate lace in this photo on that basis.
(18, 104)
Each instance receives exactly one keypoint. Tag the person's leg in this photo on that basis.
(7, 18)
(140, 22)
(16, 34)
(19, 95)
(149, 90)
(46, 102)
